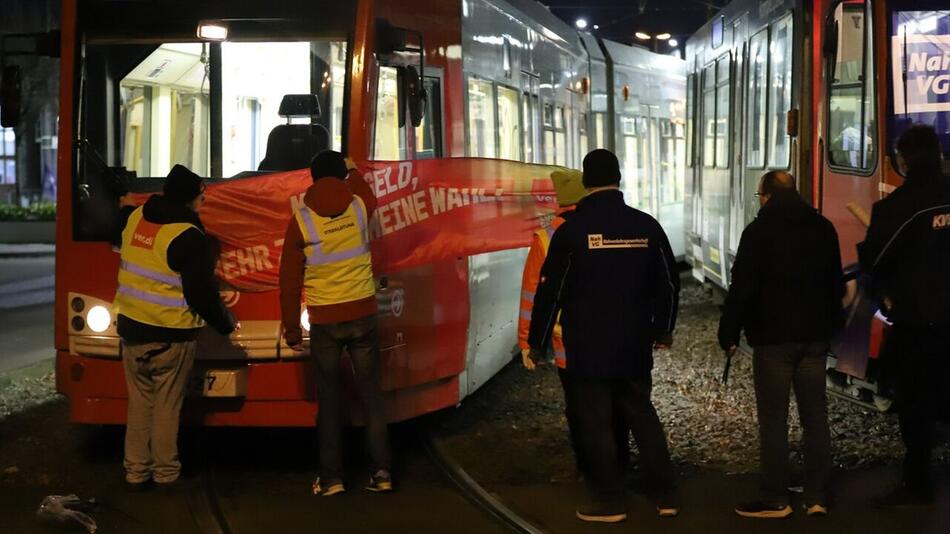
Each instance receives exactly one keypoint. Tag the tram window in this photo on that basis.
(429, 132)
(757, 95)
(526, 116)
(549, 158)
(509, 125)
(851, 93)
(560, 137)
(548, 115)
(709, 117)
(481, 119)
(390, 138)
(780, 97)
(164, 112)
(723, 101)
(582, 129)
(254, 78)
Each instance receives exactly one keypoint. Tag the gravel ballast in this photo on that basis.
(519, 417)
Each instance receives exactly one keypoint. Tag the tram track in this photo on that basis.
(210, 517)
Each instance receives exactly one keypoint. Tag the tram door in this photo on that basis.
(739, 74)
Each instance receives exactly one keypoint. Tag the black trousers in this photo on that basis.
(776, 369)
(596, 402)
(923, 355)
(621, 429)
(359, 338)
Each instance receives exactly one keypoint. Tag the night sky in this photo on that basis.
(619, 19)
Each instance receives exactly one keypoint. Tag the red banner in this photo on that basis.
(429, 210)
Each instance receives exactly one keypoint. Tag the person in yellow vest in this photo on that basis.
(569, 188)
(326, 257)
(166, 293)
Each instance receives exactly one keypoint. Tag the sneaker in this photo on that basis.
(328, 488)
(381, 482)
(816, 510)
(904, 498)
(138, 487)
(668, 506)
(602, 513)
(764, 510)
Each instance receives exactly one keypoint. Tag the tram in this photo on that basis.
(822, 89)
(454, 111)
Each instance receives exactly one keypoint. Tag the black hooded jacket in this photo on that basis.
(907, 249)
(787, 282)
(190, 255)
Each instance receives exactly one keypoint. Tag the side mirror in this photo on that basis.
(415, 95)
(10, 96)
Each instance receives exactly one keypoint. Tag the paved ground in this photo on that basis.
(26, 309)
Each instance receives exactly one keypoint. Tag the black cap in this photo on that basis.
(182, 186)
(601, 168)
(328, 163)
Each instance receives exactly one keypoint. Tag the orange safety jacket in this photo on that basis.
(529, 284)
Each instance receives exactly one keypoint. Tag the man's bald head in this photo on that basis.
(776, 182)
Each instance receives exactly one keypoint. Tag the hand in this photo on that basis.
(350, 165)
(663, 342)
(298, 347)
(237, 325)
(294, 339)
(731, 351)
(526, 359)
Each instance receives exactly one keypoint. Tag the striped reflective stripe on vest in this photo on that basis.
(155, 276)
(318, 257)
(161, 300)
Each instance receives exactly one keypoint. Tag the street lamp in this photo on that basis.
(643, 36)
(663, 36)
(674, 43)
(581, 23)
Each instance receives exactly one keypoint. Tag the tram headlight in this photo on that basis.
(98, 318)
(305, 320)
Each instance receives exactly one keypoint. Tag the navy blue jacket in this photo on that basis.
(611, 274)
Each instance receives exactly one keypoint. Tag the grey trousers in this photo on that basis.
(777, 369)
(156, 375)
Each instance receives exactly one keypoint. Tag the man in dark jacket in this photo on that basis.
(611, 274)
(907, 254)
(786, 291)
(166, 293)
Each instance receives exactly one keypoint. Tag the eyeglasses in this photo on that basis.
(757, 194)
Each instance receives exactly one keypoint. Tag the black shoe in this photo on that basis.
(903, 497)
(816, 510)
(764, 510)
(381, 482)
(327, 488)
(668, 504)
(602, 513)
(139, 487)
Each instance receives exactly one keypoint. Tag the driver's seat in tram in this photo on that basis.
(292, 146)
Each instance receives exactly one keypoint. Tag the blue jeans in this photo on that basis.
(359, 338)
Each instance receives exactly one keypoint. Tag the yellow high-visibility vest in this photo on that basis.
(339, 264)
(149, 291)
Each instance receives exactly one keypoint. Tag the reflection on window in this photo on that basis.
(600, 128)
(709, 117)
(757, 93)
(690, 119)
(7, 156)
(509, 126)
(780, 100)
(672, 161)
(922, 97)
(481, 119)
(582, 131)
(429, 131)
(164, 111)
(560, 137)
(390, 138)
(722, 113)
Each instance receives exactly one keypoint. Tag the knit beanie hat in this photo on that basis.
(328, 163)
(182, 186)
(569, 186)
(601, 168)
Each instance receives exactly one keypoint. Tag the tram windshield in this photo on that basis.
(152, 95)
(920, 70)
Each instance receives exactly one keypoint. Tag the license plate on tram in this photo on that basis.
(219, 383)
